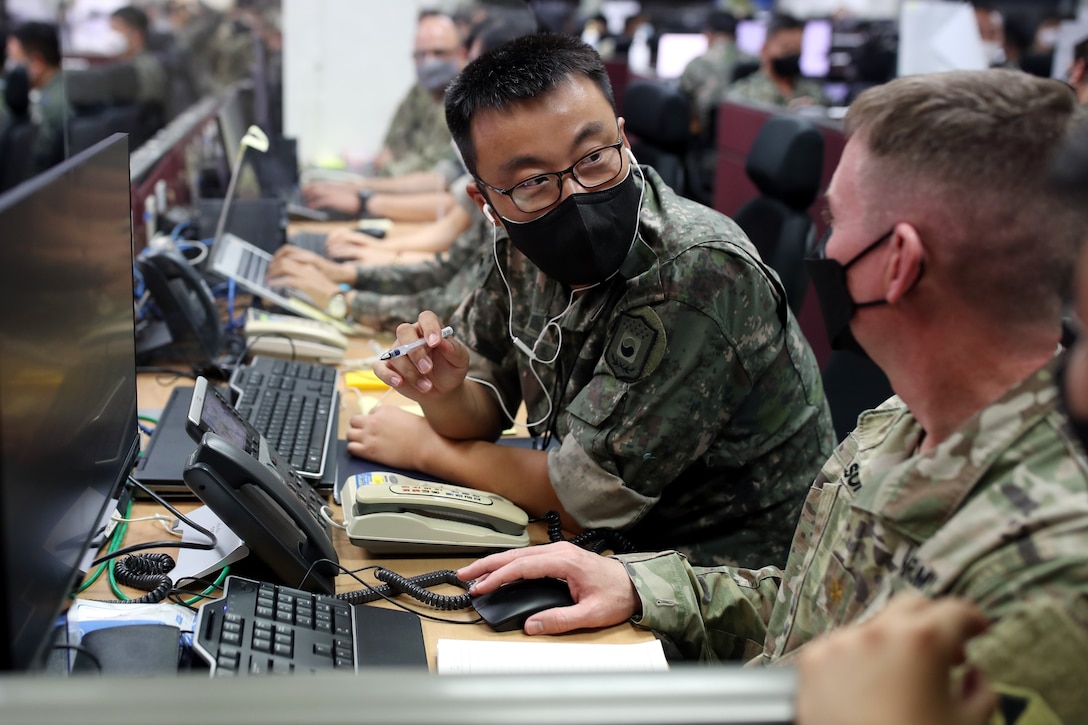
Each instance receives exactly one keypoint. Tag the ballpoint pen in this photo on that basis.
(407, 348)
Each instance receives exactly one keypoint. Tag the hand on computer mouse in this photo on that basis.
(508, 607)
(602, 592)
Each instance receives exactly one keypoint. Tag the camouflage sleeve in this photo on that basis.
(710, 614)
(396, 279)
(385, 312)
(1043, 646)
(402, 121)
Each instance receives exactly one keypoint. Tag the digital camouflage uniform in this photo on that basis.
(706, 78)
(998, 514)
(50, 110)
(759, 88)
(417, 137)
(688, 404)
(392, 294)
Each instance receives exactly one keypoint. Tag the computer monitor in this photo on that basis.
(676, 50)
(750, 36)
(816, 48)
(68, 430)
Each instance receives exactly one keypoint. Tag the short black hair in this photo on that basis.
(720, 21)
(133, 17)
(781, 22)
(1080, 50)
(525, 68)
(41, 39)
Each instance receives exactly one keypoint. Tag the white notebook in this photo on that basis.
(473, 657)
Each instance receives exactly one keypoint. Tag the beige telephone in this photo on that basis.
(389, 513)
(268, 333)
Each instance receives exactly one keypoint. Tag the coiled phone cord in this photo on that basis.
(595, 540)
(415, 587)
(148, 573)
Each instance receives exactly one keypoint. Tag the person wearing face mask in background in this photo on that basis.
(417, 163)
(779, 81)
(35, 46)
(641, 330)
(132, 24)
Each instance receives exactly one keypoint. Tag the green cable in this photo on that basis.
(148, 419)
(215, 585)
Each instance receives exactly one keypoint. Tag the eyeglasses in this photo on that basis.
(441, 53)
(596, 168)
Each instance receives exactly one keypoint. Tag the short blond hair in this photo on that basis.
(980, 144)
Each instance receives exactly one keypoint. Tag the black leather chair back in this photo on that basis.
(785, 163)
(658, 120)
(17, 153)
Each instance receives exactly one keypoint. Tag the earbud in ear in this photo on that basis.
(487, 213)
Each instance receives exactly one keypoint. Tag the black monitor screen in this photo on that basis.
(68, 431)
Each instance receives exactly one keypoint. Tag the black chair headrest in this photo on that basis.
(17, 92)
(111, 84)
(657, 114)
(786, 160)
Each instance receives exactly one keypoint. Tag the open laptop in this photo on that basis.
(247, 264)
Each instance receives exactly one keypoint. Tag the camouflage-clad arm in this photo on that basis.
(401, 124)
(709, 613)
(398, 279)
(385, 312)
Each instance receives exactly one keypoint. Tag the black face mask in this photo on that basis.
(1078, 424)
(584, 239)
(829, 280)
(788, 66)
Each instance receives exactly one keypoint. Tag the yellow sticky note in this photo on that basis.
(364, 380)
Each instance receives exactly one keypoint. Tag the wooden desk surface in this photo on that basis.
(153, 390)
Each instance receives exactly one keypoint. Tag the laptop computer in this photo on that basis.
(247, 264)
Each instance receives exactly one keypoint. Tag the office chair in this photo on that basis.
(785, 163)
(658, 118)
(18, 133)
(17, 152)
(853, 384)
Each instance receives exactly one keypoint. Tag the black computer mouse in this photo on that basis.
(508, 607)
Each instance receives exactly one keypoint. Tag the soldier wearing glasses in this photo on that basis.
(651, 346)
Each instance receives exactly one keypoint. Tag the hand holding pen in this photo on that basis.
(399, 350)
(427, 362)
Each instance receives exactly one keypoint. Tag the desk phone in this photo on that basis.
(257, 494)
(390, 513)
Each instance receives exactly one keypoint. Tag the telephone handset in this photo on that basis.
(269, 333)
(391, 513)
(184, 299)
(259, 496)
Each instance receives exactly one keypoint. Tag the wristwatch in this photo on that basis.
(364, 200)
(338, 306)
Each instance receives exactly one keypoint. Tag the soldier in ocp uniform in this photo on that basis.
(642, 331)
(949, 264)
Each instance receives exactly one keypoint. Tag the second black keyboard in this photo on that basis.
(291, 404)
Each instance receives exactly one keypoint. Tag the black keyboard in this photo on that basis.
(291, 404)
(264, 628)
(312, 241)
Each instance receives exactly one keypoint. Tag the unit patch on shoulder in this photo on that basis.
(638, 345)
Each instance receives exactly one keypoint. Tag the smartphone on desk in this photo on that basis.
(257, 494)
(389, 513)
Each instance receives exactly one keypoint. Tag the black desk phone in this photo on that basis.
(257, 494)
